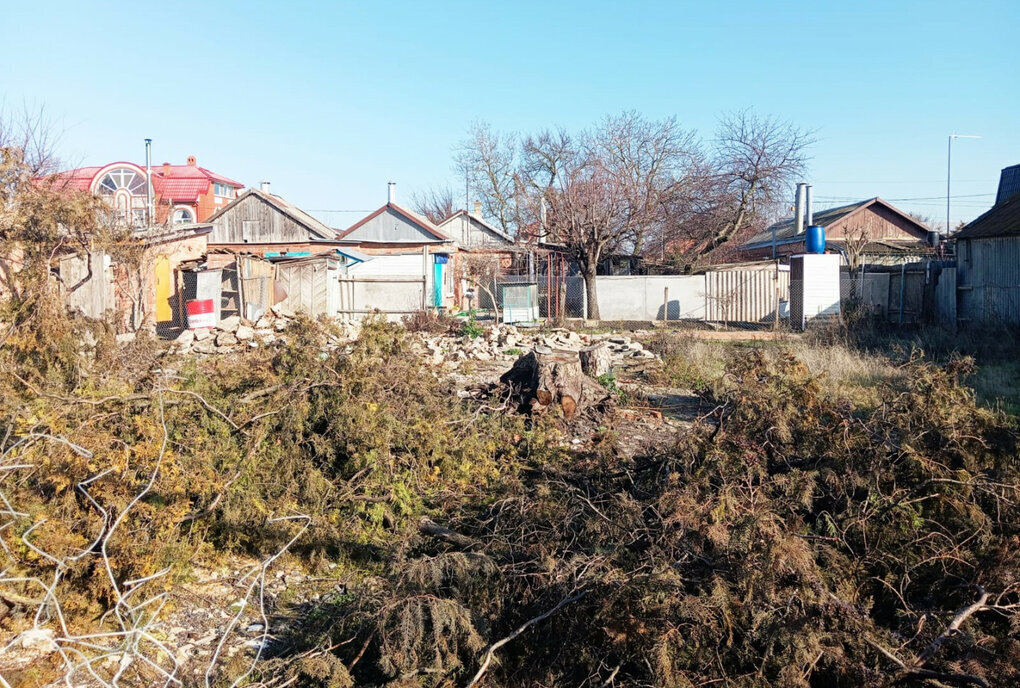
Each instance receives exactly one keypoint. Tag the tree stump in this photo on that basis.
(547, 376)
(595, 360)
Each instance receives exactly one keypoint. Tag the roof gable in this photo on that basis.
(785, 229)
(392, 224)
(477, 222)
(1002, 220)
(316, 228)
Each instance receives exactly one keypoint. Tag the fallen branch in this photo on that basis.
(520, 629)
(954, 627)
(430, 527)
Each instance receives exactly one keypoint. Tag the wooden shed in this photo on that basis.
(309, 285)
(262, 223)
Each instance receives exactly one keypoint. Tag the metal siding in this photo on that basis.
(391, 227)
(744, 295)
(989, 285)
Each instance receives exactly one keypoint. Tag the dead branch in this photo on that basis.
(430, 527)
(520, 629)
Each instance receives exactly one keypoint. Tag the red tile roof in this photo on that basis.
(177, 183)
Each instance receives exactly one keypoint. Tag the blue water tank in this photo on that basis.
(815, 241)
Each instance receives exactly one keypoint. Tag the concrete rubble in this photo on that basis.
(233, 334)
(497, 343)
(507, 342)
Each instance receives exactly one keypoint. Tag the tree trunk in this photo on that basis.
(595, 360)
(546, 377)
(591, 291)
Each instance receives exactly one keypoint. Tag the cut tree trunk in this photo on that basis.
(595, 360)
(547, 377)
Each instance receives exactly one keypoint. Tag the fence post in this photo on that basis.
(665, 304)
(775, 320)
(903, 276)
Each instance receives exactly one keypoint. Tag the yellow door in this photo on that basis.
(163, 312)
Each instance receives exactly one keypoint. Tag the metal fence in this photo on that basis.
(556, 297)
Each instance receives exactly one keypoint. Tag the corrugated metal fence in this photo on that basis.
(745, 296)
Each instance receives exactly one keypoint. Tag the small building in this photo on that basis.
(181, 194)
(470, 231)
(145, 292)
(988, 266)
(265, 224)
(403, 243)
(872, 231)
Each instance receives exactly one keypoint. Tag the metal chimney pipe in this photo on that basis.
(809, 213)
(798, 221)
(148, 182)
(391, 195)
(264, 186)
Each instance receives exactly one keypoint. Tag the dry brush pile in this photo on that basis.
(788, 540)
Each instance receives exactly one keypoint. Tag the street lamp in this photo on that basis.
(949, 171)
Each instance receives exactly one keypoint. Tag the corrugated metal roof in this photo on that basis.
(1002, 220)
(1009, 184)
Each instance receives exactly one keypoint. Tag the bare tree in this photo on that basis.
(757, 158)
(489, 161)
(434, 204)
(589, 214)
(651, 160)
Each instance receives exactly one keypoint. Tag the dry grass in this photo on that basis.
(841, 371)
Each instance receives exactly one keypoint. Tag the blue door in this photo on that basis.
(437, 279)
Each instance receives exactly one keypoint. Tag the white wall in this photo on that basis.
(401, 264)
(642, 297)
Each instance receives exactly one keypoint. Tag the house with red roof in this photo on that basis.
(181, 194)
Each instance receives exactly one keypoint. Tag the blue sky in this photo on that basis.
(332, 100)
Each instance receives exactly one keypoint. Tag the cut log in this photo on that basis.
(595, 360)
(546, 377)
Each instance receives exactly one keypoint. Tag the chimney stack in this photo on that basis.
(391, 193)
(192, 161)
(149, 215)
(798, 221)
(809, 213)
(478, 208)
(166, 169)
(264, 186)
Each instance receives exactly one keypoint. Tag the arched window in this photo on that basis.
(122, 178)
(183, 216)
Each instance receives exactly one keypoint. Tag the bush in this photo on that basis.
(432, 322)
(471, 328)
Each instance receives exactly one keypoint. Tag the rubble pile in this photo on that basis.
(507, 342)
(233, 333)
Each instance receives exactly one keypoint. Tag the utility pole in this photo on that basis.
(949, 173)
